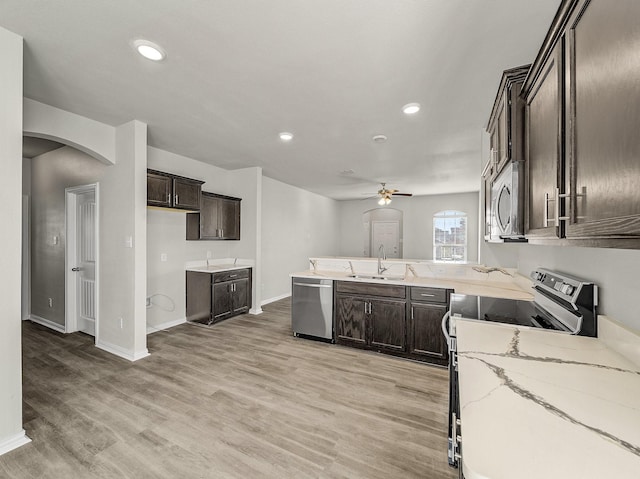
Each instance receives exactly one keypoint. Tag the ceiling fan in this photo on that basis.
(385, 194)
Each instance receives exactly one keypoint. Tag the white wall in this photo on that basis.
(418, 214)
(11, 432)
(51, 173)
(296, 224)
(166, 232)
(122, 275)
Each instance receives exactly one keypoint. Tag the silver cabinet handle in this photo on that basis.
(176, 199)
(169, 198)
(365, 307)
(233, 276)
(545, 218)
(427, 295)
(411, 312)
(221, 233)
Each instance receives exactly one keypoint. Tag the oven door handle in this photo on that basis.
(445, 329)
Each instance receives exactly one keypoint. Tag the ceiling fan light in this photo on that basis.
(381, 202)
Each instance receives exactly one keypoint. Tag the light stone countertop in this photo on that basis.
(515, 289)
(538, 404)
(218, 265)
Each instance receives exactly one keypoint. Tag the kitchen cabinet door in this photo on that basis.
(240, 296)
(186, 194)
(208, 217)
(544, 149)
(387, 325)
(425, 334)
(229, 218)
(350, 318)
(222, 306)
(603, 143)
(159, 190)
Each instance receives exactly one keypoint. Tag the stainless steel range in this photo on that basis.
(562, 304)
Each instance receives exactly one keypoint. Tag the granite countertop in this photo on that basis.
(516, 289)
(539, 404)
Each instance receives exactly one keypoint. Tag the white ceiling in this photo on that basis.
(333, 72)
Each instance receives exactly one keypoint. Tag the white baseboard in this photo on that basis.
(14, 442)
(166, 325)
(121, 352)
(255, 311)
(275, 298)
(47, 323)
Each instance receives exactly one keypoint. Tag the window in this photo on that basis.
(450, 236)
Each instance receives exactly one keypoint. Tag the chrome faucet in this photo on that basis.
(381, 256)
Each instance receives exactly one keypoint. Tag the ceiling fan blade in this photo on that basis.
(403, 194)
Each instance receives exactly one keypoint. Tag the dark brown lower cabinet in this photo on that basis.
(213, 297)
(425, 334)
(370, 316)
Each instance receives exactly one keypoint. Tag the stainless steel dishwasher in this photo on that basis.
(312, 307)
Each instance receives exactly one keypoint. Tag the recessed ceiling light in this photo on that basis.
(379, 138)
(286, 136)
(149, 50)
(411, 108)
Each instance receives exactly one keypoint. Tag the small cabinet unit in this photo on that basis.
(213, 297)
(165, 190)
(425, 338)
(218, 219)
(582, 145)
(371, 316)
(506, 123)
(602, 197)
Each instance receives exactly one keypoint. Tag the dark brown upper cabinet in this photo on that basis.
(603, 115)
(506, 123)
(165, 190)
(544, 149)
(218, 219)
(582, 146)
(506, 133)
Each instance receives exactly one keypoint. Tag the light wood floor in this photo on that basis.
(243, 399)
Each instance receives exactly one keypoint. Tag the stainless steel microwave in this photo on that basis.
(507, 204)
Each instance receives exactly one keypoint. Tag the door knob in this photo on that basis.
(75, 269)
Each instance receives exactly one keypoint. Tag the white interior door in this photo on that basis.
(386, 233)
(82, 253)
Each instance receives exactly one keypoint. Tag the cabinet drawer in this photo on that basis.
(431, 295)
(230, 275)
(372, 289)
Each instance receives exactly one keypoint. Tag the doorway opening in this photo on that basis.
(383, 226)
(81, 259)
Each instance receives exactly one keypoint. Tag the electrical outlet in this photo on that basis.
(163, 257)
(209, 255)
(50, 301)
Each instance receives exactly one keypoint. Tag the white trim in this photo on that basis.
(26, 258)
(70, 319)
(47, 323)
(165, 325)
(14, 442)
(275, 298)
(121, 352)
(255, 311)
